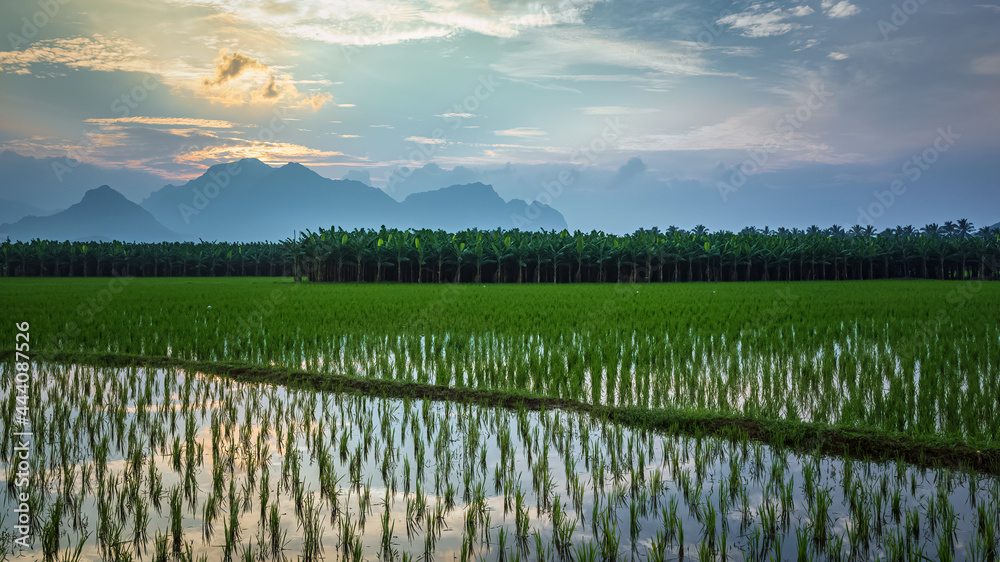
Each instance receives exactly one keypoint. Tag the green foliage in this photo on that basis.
(513, 256)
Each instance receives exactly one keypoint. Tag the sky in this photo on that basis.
(621, 114)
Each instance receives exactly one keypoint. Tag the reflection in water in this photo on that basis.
(149, 464)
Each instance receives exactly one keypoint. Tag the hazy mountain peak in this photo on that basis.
(249, 200)
(102, 213)
(101, 195)
(477, 189)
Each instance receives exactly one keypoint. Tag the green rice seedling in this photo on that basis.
(155, 481)
(264, 494)
(949, 525)
(209, 512)
(944, 549)
(176, 520)
(312, 531)
(657, 549)
(75, 554)
(913, 523)
(610, 536)
(708, 524)
(502, 544)
(589, 552)
(161, 552)
(50, 532)
(388, 526)
(140, 523)
(769, 521)
(277, 536)
(819, 516)
(347, 529)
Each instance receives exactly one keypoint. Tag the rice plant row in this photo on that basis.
(137, 464)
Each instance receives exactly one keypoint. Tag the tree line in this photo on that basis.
(950, 251)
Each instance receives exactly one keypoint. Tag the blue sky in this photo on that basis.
(721, 113)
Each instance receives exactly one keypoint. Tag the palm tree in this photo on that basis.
(963, 228)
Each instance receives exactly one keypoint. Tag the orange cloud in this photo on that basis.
(230, 66)
(240, 79)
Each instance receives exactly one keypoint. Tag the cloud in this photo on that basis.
(316, 101)
(837, 56)
(229, 66)
(424, 140)
(270, 91)
(521, 132)
(236, 149)
(551, 59)
(164, 121)
(617, 110)
(751, 130)
(988, 64)
(375, 23)
(100, 53)
(842, 9)
(765, 20)
(173, 148)
(240, 79)
(634, 167)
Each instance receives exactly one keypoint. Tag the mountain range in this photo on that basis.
(103, 214)
(251, 201)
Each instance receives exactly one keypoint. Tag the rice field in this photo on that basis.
(760, 421)
(917, 359)
(164, 464)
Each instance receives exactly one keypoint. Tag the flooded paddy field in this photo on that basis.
(917, 359)
(165, 464)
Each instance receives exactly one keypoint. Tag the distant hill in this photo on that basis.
(452, 207)
(102, 214)
(249, 200)
(13, 211)
(184, 207)
(995, 226)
